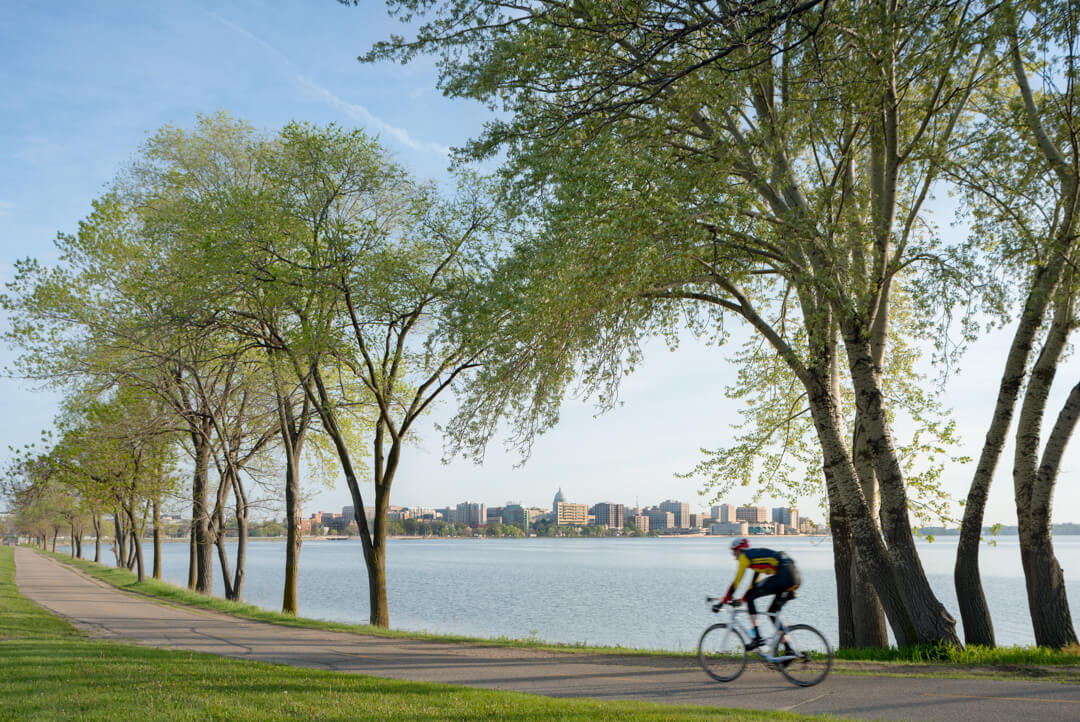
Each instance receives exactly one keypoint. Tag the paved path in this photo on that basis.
(104, 612)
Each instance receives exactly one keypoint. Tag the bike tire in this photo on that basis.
(813, 656)
(722, 652)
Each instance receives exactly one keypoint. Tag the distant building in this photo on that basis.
(740, 528)
(660, 519)
(471, 513)
(348, 513)
(724, 513)
(610, 515)
(680, 510)
(695, 521)
(640, 522)
(516, 515)
(752, 514)
(567, 514)
(559, 499)
(788, 516)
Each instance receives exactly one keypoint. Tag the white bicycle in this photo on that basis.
(799, 652)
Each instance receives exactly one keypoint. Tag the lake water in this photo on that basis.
(645, 592)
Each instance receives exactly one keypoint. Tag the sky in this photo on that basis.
(85, 83)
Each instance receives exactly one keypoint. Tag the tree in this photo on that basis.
(781, 183)
(1023, 190)
(345, 269)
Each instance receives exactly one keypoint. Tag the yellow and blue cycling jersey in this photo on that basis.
(761, 561)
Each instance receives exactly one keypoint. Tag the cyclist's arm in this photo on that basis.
(744, 564)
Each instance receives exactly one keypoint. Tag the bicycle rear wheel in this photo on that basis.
(805, 655)
(722, 652)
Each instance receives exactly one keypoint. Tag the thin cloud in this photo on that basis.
(6, 207)
(354, 111)
(363, 115)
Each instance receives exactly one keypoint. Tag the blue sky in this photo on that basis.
(86, 82)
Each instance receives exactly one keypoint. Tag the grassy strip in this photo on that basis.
(975, 655)
(53, 673)
(999, 661)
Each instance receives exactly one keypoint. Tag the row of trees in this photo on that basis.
(253, 289)
(667, 166)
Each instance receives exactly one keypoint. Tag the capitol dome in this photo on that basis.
(558, 497)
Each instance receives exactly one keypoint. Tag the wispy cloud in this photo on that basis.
(361, 114)
(6, 207)
(353, 110)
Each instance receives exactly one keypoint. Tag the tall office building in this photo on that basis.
(471, 513)
(680, 510)
(788, 516)
(516, 515)
(660, 519)
(752, 514)
(610, 515)
(725, 513)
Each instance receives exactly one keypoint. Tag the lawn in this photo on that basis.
(51, 672)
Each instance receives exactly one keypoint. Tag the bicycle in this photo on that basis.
(799, 652)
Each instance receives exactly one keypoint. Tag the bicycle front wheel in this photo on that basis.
(722, 652)
(804, 657)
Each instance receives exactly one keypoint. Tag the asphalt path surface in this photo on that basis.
(104, 612)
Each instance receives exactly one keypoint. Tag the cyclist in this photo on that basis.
(782, 579)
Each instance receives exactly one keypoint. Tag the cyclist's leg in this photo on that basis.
(784, 583)
(758, 590)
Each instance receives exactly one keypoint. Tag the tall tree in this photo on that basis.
(384, 265)
(780, 180)
(1021, 180)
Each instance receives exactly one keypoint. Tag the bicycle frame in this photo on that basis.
(735, 618)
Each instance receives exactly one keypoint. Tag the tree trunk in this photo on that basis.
(136, 544)
(869, 617)
(192, 557)
(134, 551)
(294, 540)
(200, 511)
(843, 566)
(242, 510)
(872, 555)
(1045, 583)
(157, 539)
(120, 541)
(293, 432)
(72, 540)
(1033, 484)
(97, 539)
(933, 623)
(974, 612)
(384, 468)
(223, 561)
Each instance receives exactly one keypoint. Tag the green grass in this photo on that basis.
(975, 655)
(50, 672)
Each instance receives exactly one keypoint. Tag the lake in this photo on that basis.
(634, 592)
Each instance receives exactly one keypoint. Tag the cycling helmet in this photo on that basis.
(739, 544)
